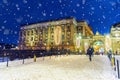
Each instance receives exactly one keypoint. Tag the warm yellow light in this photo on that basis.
(77, 42)
(57, 35)
(108, 42)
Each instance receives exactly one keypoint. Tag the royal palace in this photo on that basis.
(67, 35)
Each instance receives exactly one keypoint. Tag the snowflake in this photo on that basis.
(3, 27)
(52, 11)
(7, 38)
(117, 15)
(31, 17)
(29, 7)
(18, 8)
(16, 26)
(74, 10)
(50, 14)
(5, 1)
(113, 3)
(28, 15)
(83, 7)
(61, 13)
(92, 8)
(24, 1)
(112, 9)
(19, 19)
(103, 17)
(5, 21)
(60, 1)
(104, 27)
(2, 40)
(39, 4)
(100, 7)
(83, 14)
(14, 14)
(15, 32)
(78, 5)
(98, 19)
(101, 22)
(7, 9)
(83, 1)
(118, 1)
(43, 13)
(17, 41)
(90, 13)
(6, 32)
(52, 2)
(17, 5)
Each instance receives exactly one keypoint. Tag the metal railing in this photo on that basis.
(116, 65)
(10, 55)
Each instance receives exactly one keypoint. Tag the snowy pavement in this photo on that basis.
(72, 67)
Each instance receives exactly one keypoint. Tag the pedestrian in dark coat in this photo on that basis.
(109, 54)
(90, 51)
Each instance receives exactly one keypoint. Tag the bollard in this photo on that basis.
(34, 58)
(118, 71)
(7, 60)
(43, 56)
(113, 61)
(67, 54)
(3, 58)
(114, 64)
(50, 55)
(23, 58)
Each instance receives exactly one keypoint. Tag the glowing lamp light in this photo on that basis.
(108, 42)
(57, 35)
(108, 36)
(77, 42)
(116, 35)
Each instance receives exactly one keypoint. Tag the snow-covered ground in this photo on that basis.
(72, 67)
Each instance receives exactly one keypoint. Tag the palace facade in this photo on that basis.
(67, 34)
(58, 34)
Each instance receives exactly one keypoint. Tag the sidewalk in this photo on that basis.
(73, 67)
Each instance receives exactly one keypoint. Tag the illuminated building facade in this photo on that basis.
(67, 35)
(115, 38)
(59, 35)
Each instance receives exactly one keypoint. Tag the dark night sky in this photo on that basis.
(100, 14)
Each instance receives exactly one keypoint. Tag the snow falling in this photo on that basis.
(101, 14)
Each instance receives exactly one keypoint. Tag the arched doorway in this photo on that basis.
(98, 46)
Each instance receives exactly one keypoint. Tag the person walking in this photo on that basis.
(109, 54)
(90, 51)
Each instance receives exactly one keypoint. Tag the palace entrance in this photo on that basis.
(98, 46)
